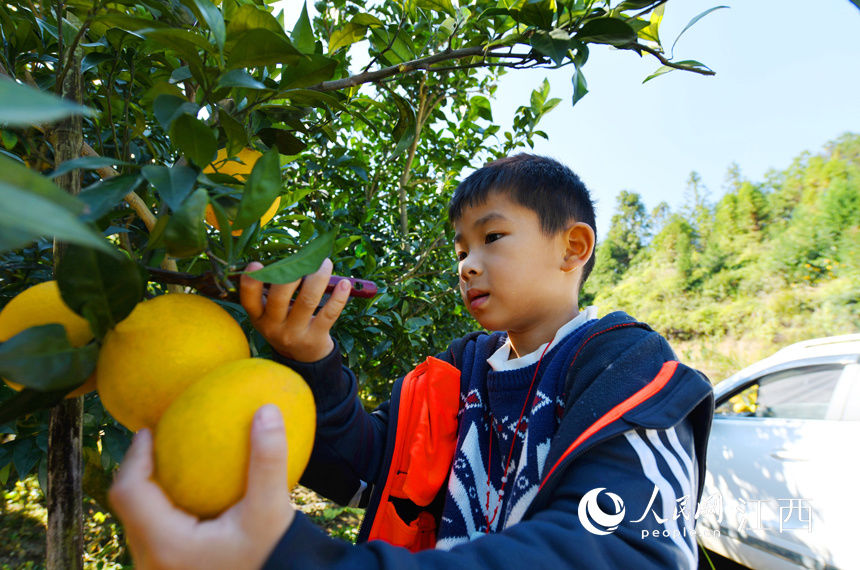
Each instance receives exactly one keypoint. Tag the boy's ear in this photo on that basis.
(579, 245)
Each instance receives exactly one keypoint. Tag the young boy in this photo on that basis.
(561, 441)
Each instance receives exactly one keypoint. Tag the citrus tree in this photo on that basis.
(151, 146)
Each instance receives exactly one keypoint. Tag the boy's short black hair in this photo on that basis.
(539, 183)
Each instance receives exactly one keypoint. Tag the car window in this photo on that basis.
(797, 393)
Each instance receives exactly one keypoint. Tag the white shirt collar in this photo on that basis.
(499, 359)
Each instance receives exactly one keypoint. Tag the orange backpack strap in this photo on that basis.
(424, 447)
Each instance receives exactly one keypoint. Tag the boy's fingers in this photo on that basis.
(251, 292)
(313, 288)
(133, 495)
(334, 307)
(278, 301)
(266, 496)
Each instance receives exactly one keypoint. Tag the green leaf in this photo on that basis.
(664, 69)
(173, 184)
(249, 17)
(27, 216)
(188, 44)
(652, 32)
(302, 263)
(691, 23)
(404, 130)
(87, 163)
(42, 358)
(396, 45)
(444, 6)
(481, 107)
(237, 139)
(346, 36)
(261, 189)
(368, 20)
(27, 401)
(635, 4)
(185, 234)
(554, 44)
(195, 139)
(580, 87)
(167, 107)
(607, 31)
(239, 78)
(102, 196)
(21, 105)
(257, 48)
(207, 12)
(103, 289)
(538, 13)
(308, 71)
(25, 455)
(303, 33)
(285, 141)
(16, 174)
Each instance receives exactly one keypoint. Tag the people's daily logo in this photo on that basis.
(592, 516)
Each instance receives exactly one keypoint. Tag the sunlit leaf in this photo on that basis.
(303, 34)
(304, 262)
(261, 189)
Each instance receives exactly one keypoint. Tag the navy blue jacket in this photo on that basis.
(635, 426)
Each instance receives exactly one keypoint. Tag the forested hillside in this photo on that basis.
(769, 263)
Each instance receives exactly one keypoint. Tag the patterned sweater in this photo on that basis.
(490, 433)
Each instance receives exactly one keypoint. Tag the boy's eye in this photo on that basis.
(491, 237)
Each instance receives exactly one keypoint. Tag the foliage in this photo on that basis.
(768, 264)
(366, 115)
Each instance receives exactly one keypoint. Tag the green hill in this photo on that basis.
(768, 264)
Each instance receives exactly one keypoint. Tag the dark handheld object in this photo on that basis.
(206, 284)
(360, 287)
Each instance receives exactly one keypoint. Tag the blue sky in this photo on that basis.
(788, 80)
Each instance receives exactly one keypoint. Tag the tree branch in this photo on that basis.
(406, 67)
(668, 63)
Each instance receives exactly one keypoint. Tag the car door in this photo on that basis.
(781, 457)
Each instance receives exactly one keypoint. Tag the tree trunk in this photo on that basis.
(64, 495)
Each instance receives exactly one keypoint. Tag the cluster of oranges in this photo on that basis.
(180, 365)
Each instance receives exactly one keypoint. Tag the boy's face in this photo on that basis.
(513, 277)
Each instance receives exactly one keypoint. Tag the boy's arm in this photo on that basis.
(630, 465)
(349, 442)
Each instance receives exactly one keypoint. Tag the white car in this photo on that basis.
(781, 487)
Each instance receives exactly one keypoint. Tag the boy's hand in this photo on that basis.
(294, 331)
(162, 536)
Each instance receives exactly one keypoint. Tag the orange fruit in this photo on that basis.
(161, 348)
(202, 442)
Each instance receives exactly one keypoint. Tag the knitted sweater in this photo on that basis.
(492, 433)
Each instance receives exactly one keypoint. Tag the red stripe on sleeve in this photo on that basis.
(651, 388)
